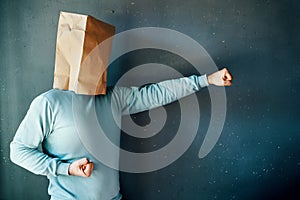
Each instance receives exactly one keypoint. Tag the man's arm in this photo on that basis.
(134, 99)
(36, 125)
(24, 152)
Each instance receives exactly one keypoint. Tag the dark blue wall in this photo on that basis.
(258, 153)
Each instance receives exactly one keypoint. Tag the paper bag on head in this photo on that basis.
(83, 48)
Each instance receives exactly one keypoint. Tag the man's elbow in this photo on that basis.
(13, 153)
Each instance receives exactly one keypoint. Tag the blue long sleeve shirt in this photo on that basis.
(50, 123)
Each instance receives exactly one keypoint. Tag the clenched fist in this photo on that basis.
(82, 167)
(220, 78)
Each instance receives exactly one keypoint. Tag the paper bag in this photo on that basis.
(83, 48)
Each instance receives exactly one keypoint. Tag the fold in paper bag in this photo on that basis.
(83, 48)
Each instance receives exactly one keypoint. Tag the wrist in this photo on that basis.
(70, 171)
(203, 81)
(63, 168)
(209, 81)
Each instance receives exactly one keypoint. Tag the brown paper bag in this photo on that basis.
(82, 54)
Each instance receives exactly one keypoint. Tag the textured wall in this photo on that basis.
(258, 153)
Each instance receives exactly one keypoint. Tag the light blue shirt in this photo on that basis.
(49, 122)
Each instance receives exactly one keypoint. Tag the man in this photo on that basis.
(72, 171)
(49, 121)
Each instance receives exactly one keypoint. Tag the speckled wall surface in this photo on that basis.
(258, 153)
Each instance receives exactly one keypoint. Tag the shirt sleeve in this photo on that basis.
(34, 128)
(137, 99)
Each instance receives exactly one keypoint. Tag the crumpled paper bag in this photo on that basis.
(83, 48)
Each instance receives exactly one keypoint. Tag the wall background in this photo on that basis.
(258, 154)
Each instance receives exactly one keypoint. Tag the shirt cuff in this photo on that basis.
(62, 168)
(203, 80)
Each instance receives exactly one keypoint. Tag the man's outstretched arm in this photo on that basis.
(134, 99)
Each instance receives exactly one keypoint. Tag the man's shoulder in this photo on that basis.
(54, 96)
